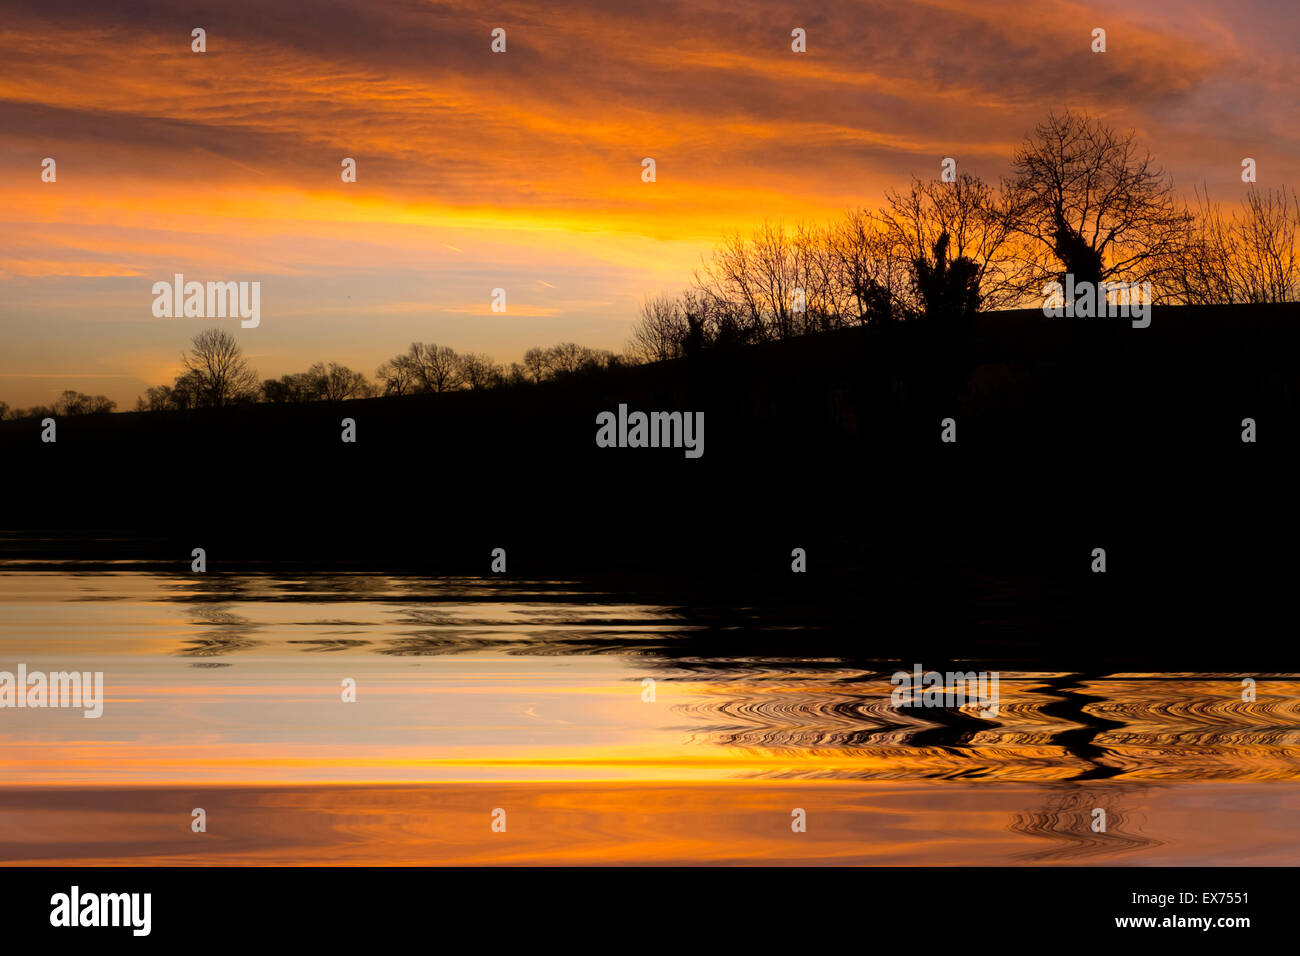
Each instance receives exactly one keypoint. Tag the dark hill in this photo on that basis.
(1072, 434)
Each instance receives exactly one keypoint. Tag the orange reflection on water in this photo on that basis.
(225, 695)
(589, 824)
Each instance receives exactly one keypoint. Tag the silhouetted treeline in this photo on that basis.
(439, 368)
(1082, 200)
(71, 402)
(216, 374)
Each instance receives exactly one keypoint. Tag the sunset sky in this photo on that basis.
(522, 170)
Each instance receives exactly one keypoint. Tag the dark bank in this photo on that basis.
(1071, 435)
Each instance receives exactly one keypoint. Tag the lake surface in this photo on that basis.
(596, 729)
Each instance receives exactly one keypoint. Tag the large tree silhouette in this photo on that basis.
(1095, 200)
(216, 368)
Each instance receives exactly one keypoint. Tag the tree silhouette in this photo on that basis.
(872, 266)
(661, 330)
(187, 390)
(948, 289)
(480, 371)
(567, 358)
(72, 402)
(397, 376)
(1096, 202)
(1248, 255)
(436, 367)
(977, 227)
(216, 370)
(336, 382)
(156, 398)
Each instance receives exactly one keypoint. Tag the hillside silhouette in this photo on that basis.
(1071, 435)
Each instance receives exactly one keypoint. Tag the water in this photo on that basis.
(224, 692)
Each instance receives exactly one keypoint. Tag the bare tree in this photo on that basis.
(981, 230)
(156, 398)
(437, 367)
(659, 333)
(773, 276)
(1200, 270)
(780, 283)
(826, 298)
(873, 267)
(422, 368)
(1249, 255)
(220, 374)
(732, 294)
(480, 371)
(566, 358)
(1267, 266)
(1096, 202)
(397, 376)
(69, 402)
(305, 386)
(535, 364)
(72, 402)
(336, 382)
(187, 390)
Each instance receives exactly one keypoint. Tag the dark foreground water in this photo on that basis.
(369, 719)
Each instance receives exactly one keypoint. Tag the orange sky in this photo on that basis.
(522, 170)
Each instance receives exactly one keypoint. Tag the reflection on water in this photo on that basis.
(227, 692)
